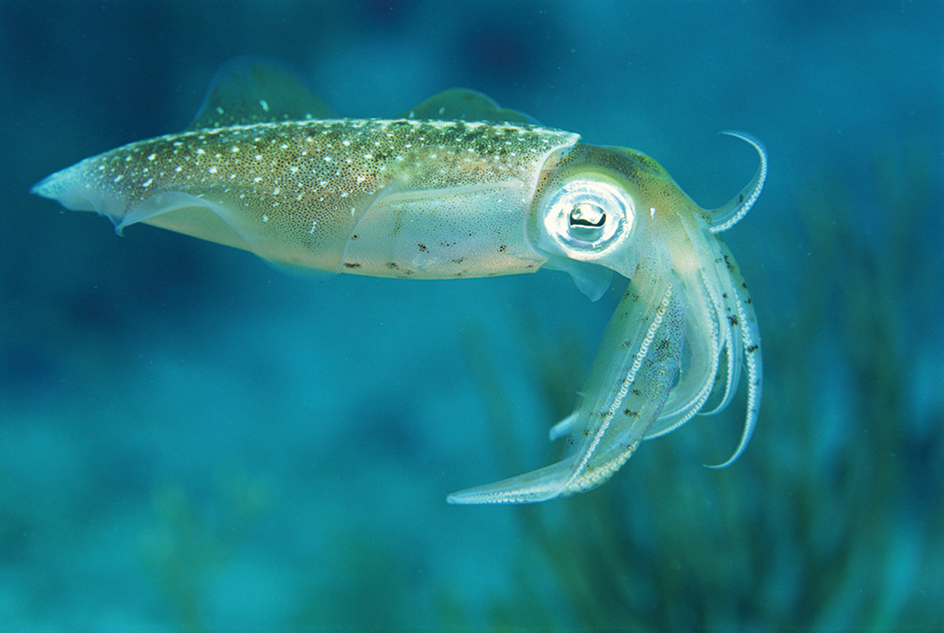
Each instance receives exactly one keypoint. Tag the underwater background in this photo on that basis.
(193, 441)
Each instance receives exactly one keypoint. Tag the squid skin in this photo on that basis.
(458, 187)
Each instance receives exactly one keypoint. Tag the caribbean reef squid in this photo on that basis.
(458, 187)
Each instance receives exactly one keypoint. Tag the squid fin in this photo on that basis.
(249, 90)
(462, 104)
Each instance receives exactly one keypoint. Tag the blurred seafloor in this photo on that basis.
(190, 440)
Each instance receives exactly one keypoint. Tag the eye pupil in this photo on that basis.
(588, 215)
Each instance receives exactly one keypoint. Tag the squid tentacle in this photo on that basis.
(723, 218)
(606, 431)
(749, 349)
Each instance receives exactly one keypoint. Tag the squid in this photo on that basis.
(459, 187)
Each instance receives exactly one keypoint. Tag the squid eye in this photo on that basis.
(587, 217)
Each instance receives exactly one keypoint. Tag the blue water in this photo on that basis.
(191, 440)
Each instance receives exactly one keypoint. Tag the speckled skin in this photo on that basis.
(435, 199)
(394, 198)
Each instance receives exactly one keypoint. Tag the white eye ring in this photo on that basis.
(588, 217)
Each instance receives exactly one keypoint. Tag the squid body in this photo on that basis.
(458, 187)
